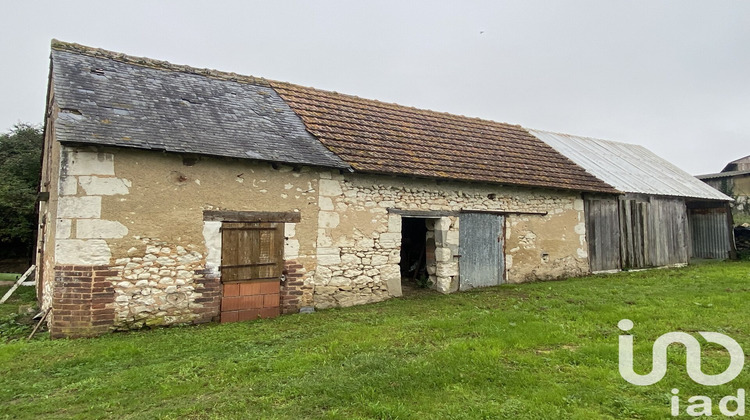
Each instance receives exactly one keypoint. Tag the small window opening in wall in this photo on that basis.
(417, 253)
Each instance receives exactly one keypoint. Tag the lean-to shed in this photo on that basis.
(665, 216)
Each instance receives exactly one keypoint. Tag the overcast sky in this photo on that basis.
(673, 76)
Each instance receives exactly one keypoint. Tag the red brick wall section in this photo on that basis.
(82, 301)
(293, 288)
(209, 286)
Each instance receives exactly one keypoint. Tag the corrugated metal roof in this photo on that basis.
(628, 167)
(723, 174)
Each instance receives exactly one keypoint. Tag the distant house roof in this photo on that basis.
(729, 174)
(114, 99)
(628, 167)
(741, 164)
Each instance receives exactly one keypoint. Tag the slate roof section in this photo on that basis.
(116, 100)
(384, 138)
(629, 168)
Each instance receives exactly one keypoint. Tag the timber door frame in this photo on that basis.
(257, 289)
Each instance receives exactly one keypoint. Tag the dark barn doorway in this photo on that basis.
(414, 254)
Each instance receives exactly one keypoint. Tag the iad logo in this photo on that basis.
(693, 365)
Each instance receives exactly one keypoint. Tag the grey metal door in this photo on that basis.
(481, 243)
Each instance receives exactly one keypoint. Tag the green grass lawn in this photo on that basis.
(532, 351)
(9, 276)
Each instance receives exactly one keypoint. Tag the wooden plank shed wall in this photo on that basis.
(636, 231)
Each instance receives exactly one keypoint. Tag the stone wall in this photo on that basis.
(166, 286)
(359, 239)
(140, 215)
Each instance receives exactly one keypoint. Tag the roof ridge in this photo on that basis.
(56, 44)
(557, 133)
(390, 105)
(155, 64)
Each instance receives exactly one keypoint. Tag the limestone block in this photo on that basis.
(212, 238)
(508, 261)
(447, 269)
(291, 249)
(362, 280)
(385, 204)
(378, 260)
(338, 281)
(82, 252)
(441, 237)
(390, 240)
(582, 253)
(578, 204)
(94, 185)
(97, 228)
(90, 163)
(62, 228)
(328, 219)
(324, 239)
(326, 204)
(394, 223)
(444, 223)
(79, 207)
(580, 228)
(391, 275)
(329, 188)
(290, 230)
(394, 257)
(443, 254)
(68, 185)
(165, 261)
(443, 284)
(349, 261)
(452, 237)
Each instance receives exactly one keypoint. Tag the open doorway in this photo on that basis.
(417, 254)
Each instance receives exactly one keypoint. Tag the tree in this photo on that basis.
(20, 166)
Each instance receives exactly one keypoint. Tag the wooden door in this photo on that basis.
(635, 243)
(603, 233)
(481, 241)
(252, 260)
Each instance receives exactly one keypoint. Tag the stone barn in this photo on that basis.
(175, 195)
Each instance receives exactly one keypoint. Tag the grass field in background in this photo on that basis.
(532, 351)
(9, 276)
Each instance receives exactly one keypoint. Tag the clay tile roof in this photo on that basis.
(378, 137)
